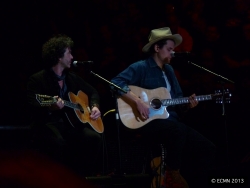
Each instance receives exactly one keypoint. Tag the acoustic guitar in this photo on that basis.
(158, 100)
(81, 111)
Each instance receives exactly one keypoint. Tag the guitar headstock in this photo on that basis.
(222, 95)
(45, 100)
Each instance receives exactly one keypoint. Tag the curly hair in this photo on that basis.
(55, 48)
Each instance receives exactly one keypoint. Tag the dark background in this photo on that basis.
(112, 33)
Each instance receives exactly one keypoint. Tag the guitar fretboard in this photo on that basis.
(72, 105)
(168, 102)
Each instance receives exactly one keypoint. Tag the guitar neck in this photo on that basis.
(72, 105)
(184, 100)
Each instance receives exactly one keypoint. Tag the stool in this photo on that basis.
(149, 162)
(158, 167)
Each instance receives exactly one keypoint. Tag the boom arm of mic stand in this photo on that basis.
(223, 108)
(210, 71)
(117, 123)
(223, 103)
(108, 82)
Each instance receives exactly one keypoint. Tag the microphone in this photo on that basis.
(180, 54)
(79, 63)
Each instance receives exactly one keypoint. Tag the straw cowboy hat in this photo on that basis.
(159, 34)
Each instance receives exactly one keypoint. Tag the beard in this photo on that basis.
(166, 60)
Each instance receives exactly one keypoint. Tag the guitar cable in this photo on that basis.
(105, 152)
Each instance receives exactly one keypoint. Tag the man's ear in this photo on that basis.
(156, 48)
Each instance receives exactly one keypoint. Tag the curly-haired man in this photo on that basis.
(59, 131)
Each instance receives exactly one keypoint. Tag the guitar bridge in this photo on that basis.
(89, 109)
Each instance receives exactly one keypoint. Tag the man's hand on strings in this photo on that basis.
(143, 109)
(58, 105)
(95, 113)
(193, 101)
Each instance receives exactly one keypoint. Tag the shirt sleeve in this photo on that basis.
(89, 90)
(130, 76)
(92, 94)
(33, 88)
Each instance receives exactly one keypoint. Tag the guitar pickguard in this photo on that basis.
(158, 112)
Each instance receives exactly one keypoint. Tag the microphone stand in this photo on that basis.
(115, 89)
(222, 102)
(210, 72)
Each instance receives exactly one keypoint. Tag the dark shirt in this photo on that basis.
(147, 74)
(45, 83)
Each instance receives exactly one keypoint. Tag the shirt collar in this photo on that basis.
(152, 62)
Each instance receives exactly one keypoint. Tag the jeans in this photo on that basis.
(76, 148)
(187, 149)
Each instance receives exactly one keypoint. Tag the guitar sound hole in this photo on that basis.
(155, 103)
(80, 108)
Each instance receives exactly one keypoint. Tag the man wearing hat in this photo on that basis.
(181, 141)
